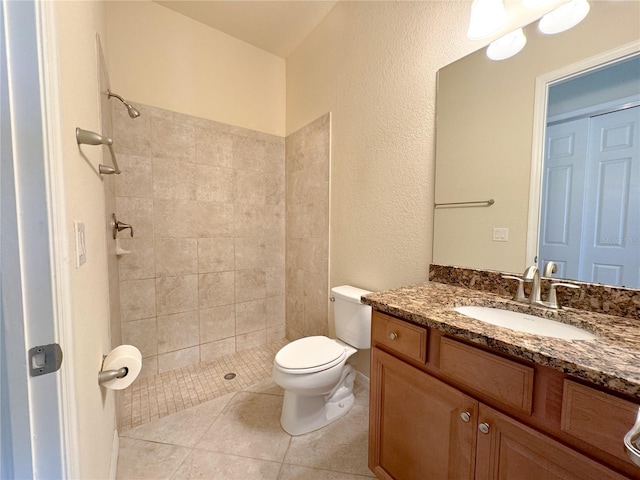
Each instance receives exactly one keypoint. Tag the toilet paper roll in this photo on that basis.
(123, 356)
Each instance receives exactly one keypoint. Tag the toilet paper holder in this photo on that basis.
(106, 375)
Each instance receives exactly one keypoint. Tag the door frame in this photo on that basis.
(543, 82)
(44, 261)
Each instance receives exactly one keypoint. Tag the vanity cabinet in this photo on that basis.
(444, 409)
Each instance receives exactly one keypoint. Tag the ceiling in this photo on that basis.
(278, 27)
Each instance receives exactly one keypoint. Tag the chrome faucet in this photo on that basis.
(532, 274)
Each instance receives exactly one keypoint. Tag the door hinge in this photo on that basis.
(44, 359)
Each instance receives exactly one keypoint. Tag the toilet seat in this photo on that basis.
(309, 355)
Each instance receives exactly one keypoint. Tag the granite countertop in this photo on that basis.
(611, 361)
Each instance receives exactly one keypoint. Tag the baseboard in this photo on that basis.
(115, 447)
(362, 379)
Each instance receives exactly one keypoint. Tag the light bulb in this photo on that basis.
(507, 46)
(487, 17)
(564, 17)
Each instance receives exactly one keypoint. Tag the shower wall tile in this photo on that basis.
(217, 323)
(250, 284)
(248, 154)
(149, 367)
(216, 289)
(215, 219)
(249, 220)
(137, 212)
(275, 311)
(178, 331)
(137, 299)
(212, 350)
(250, 252)
(174, 179)
(174, 218)
(138, 264)
(307, 163)
(214, 147)
(250, 187)
(214, 184)
(143, 334)
(176, 294)
(136, 179)
(179, 358)
(131, 137)
(251, 316)
(172, 139)
(176, 256)
(250, 340)
(205, 276)
(216, 254)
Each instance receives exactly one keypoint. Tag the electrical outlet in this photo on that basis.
(500, 234)
(81, 249)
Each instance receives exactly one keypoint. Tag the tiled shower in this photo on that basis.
(205, 276)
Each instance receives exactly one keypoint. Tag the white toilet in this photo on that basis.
(313, 371)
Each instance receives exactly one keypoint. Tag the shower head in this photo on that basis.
(133, 113)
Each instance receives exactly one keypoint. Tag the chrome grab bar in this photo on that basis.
(88, 137)
(632, 441)
(481, 203)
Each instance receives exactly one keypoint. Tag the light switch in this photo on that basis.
(500, 234)
(81, 249)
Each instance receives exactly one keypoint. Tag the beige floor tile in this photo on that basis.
(249, 426)
(219, 466)
(139, 459)
(296, 472)
(340, 446)
(361, 394)
(184, 428)
(266, 386)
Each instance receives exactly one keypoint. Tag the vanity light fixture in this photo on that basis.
(507, 46)
(564, 17)
(487, 17)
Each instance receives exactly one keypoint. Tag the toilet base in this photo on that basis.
(304, 414)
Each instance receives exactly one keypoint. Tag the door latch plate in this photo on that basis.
(44, 359)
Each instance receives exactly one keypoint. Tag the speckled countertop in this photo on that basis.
(612, 360)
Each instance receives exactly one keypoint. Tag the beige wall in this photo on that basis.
(77, 24)
(161, 58)
(491, 106)
(373, 65)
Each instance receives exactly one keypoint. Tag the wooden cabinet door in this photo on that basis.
(416, 431)
(511, 450)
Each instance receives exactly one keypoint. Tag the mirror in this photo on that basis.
(487, 137)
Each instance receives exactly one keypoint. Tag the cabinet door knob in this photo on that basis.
(465, 416)
(484, 428)
(393, 335)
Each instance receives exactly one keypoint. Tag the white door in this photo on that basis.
(34, 431)
(562, 196)
(611, 237)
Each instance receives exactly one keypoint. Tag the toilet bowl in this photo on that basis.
(314, 372)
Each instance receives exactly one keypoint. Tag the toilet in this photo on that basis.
(313, 371)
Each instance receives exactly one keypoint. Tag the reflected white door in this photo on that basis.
(562, 196)
(611, 236)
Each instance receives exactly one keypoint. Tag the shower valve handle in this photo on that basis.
(119, 226)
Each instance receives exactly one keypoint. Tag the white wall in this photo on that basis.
(77, 24)
(161, 58)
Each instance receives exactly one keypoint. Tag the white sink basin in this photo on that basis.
(525, 323)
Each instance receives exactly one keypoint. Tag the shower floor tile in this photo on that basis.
(170, 392)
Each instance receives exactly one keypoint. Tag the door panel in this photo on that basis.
(611, 237)
(433, 441)
(513, 451)
(562, 196)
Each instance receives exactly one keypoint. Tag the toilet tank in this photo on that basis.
(352, 318)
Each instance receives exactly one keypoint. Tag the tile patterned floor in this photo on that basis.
(238, 436)
(155, 397)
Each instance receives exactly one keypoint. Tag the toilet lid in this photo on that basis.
(309, 352)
